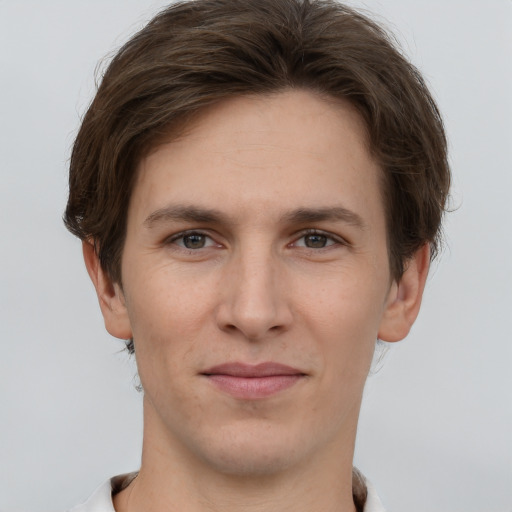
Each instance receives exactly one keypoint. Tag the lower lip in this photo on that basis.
(252, 388)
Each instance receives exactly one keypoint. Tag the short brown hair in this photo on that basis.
(196, 53)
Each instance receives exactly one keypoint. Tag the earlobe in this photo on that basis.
(404, 299)
(110, 295)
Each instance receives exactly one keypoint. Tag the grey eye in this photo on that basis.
(315, 241)
(194, 241)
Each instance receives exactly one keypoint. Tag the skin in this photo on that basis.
(260, 283)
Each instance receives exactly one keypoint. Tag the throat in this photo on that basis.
(130, 494)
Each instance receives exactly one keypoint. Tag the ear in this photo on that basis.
(404, 298)
(110, 295)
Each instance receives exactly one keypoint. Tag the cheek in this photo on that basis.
(168, 313)
(344, 316)
(161, 294)
(343, 328)
(348, 304)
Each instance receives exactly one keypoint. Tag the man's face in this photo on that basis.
(255, 282)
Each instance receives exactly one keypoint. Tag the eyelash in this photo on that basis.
(334, 239)
(183, 234)
(331, 240)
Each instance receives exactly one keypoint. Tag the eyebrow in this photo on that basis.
(187, 214)
(335, 213)
(212, 216)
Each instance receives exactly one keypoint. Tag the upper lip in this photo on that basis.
(266, 369)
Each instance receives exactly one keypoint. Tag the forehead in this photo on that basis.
(282, 151)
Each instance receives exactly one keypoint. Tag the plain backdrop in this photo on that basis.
(436, 425)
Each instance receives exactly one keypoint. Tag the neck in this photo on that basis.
(172, 479)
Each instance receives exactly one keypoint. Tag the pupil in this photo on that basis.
(193, 241)
(316, 241)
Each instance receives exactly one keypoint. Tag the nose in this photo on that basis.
(254, 299)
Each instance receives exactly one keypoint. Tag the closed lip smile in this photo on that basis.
(250, 382)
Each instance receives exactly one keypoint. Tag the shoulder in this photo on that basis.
(373, 503)
(364, 494)
(101, 499)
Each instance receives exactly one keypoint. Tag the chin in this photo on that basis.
(254, 452)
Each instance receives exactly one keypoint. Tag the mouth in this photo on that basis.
(252, 382)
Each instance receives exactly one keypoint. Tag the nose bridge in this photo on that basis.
(255, 303)
(257, 273)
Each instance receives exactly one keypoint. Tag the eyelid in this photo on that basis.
(337, 239)
(187, 232)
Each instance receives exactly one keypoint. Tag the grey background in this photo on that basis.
(435, 431)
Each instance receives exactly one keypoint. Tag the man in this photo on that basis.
(259, 188)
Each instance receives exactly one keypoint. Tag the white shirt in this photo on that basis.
(101, 500)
